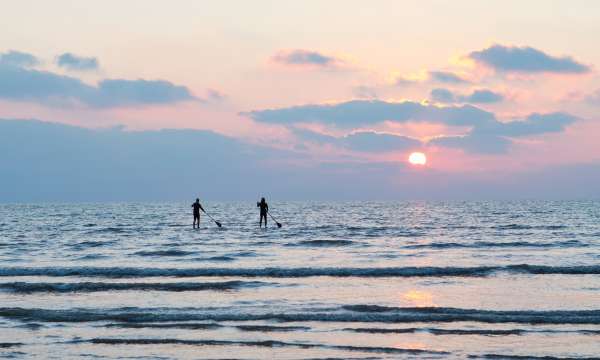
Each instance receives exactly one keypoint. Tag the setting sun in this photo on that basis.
(417, 158)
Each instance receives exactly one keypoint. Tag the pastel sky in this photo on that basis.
(501, 94)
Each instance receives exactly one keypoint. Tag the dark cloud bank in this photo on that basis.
(52, 162)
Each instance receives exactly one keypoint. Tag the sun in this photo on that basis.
(417, 158)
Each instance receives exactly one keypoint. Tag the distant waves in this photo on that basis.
(280, 272)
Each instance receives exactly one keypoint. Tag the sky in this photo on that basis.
(230, 100)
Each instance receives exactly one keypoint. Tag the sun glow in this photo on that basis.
(417, 158)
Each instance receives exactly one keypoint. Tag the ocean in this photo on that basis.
(339, 280)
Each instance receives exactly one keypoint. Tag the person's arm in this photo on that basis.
(267, 207)
(201, 208)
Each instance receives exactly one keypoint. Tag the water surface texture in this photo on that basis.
(364, 280)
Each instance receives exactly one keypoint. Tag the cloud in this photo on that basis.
(526, 60)
(365, 92)
(480, 96)
(486, 135)
(301, 57)
(18, 58)
(593, 98)
(362, 141)
(215, 95)
(120, 92)
(368, 112)
(495, 138)
(442, 96)
(369, 141)
(70, 61)
(18, 83)
(446, 77)
(484, 96)
(534, 124)
(474, 143)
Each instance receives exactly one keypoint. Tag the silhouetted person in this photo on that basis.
(264, 209)
(197, 207)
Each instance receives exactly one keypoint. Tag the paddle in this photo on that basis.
(216, 222)
(278, 224)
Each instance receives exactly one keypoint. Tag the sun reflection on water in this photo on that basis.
(418, 298)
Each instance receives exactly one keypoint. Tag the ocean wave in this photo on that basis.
(348, 313)
(111, 230)
(489, 244)
(483, 332)
(264, 343)
(276, 272)
(27, 288)
(208, 326)
(9, 345)
(92, 257)
(182, 325)
(322, 243)
(271, 328)
(221, 258)
(170, 252)
(436, 331)
(528, 227)
(528, 357)
(92, 244)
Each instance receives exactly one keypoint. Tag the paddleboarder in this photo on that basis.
(264, 209)
(197, 207)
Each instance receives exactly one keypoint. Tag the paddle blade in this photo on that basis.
(279, 225)
(218, 223)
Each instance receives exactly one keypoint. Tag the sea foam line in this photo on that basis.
(278, 272)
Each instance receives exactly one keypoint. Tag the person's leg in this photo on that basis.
(260, 221)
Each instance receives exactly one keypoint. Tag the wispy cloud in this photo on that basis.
(307, 58)
(593, 98)
(365, 92)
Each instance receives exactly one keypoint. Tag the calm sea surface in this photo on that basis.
(357, 280)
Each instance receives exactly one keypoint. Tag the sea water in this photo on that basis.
(354, 280)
